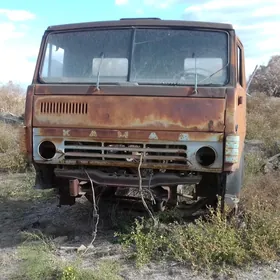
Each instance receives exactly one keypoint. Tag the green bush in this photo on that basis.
(213, 244)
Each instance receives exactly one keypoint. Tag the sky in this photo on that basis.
(23, 22)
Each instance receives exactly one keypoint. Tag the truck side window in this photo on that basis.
(239, 66)
(53, 61)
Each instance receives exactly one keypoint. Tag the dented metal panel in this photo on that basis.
(134, 112)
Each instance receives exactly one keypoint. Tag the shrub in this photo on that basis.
(12, 99)
(11, 157)
(263, 122)
(267, 79)
(216, 244)
(262, 191)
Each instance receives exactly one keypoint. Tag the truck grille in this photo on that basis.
(73, 108)
(152, 153)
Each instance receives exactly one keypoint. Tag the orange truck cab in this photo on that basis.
(164, 97)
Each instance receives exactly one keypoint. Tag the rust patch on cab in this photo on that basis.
(130, 112)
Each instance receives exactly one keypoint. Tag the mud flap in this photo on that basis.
(44, 177)
(234, 182)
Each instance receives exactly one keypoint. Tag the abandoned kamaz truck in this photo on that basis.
(150, 103)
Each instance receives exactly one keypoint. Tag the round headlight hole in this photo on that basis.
(47, 150)
(205, 156)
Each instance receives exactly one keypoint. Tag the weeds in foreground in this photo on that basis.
(39, 260)
(217, 242)
(213, 244)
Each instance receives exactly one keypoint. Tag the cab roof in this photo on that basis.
(125, 22)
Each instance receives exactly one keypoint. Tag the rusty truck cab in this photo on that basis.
(164, 97)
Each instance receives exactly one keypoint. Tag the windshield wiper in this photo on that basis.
(210, 76)
(99, 68)
(195, 85)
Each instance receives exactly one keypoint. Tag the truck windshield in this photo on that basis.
(142, 56)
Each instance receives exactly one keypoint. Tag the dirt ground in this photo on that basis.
(23, 209)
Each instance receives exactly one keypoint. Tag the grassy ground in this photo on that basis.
(39, 260)
(31, 222)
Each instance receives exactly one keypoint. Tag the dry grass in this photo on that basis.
(19, 187)
(40, 260)
(11, 158)
(263, 122)
(214, 244)
(217, 243)
(262, 191)
(12, 99)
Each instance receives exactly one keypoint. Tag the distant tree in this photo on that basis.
(267, 78)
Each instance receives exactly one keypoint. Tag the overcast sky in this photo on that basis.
(22, 24)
